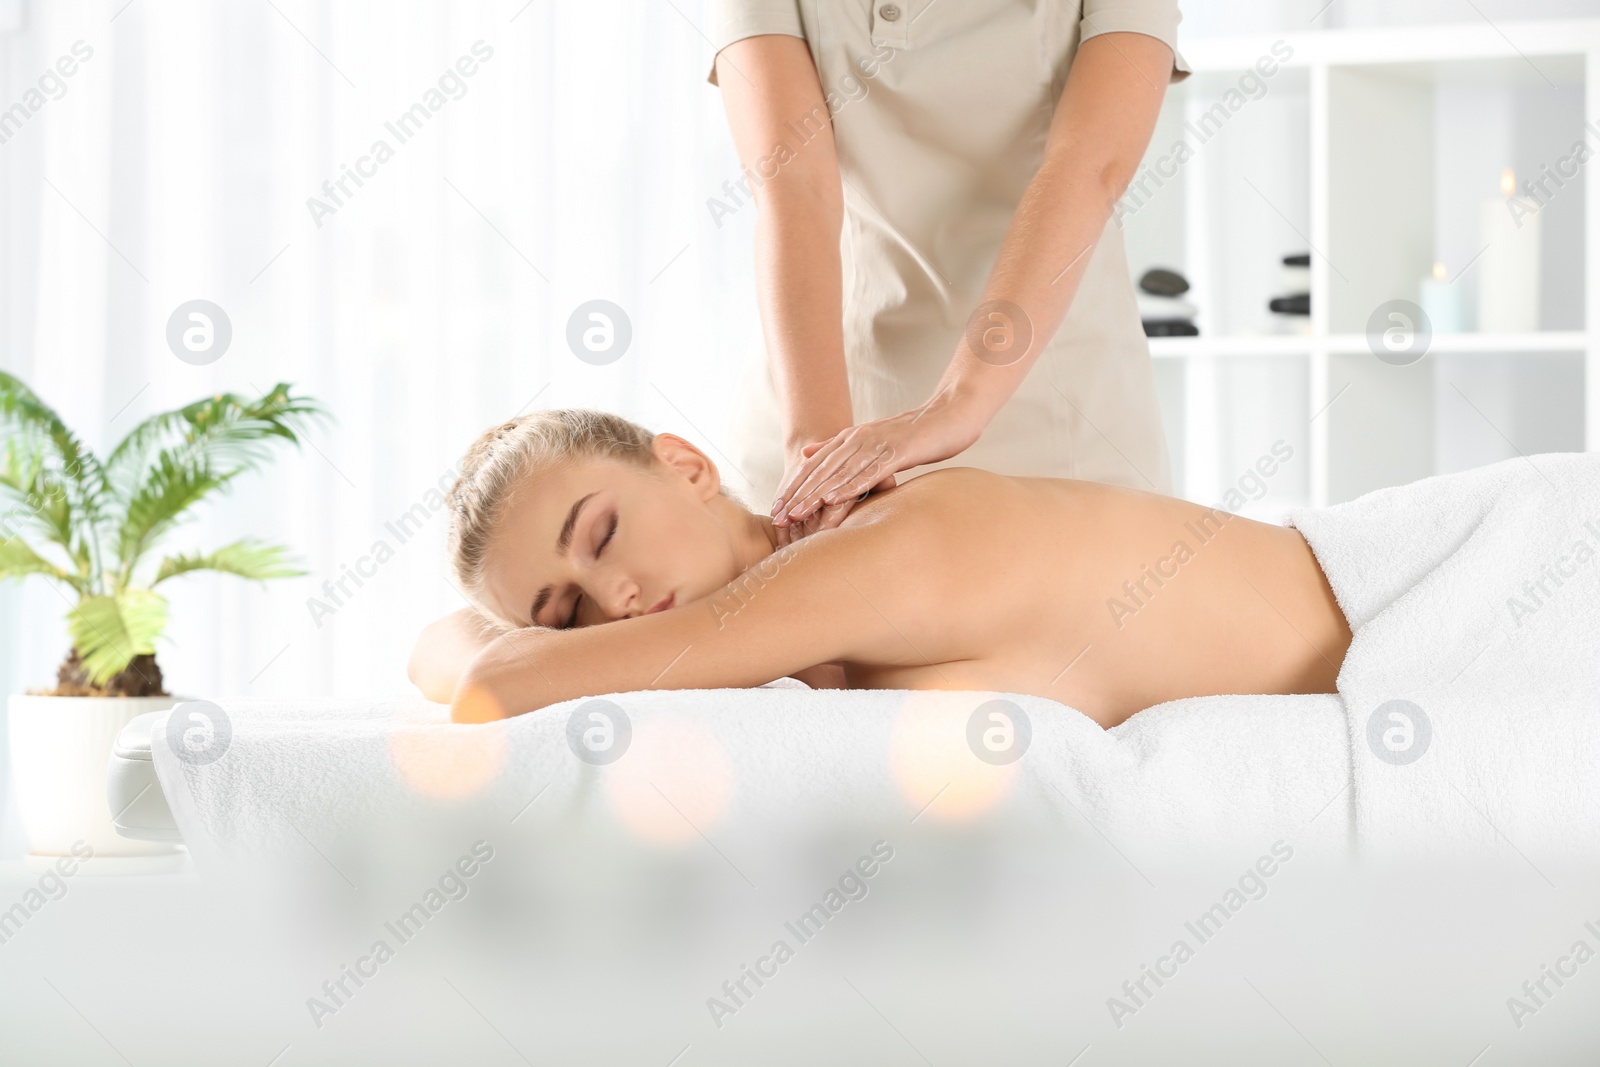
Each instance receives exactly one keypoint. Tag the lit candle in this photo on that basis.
(1508, 276)
(1441, 301)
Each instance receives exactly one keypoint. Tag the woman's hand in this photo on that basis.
(820, 491)
(443, 651)
(505, 677)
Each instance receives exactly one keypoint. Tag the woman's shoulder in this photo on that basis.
(947, 485)
(954, 499)
(934, 498)
(968, 483)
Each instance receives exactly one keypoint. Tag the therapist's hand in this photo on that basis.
(824, 518)
(867, 457)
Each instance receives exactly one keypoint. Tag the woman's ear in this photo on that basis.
(689, 463)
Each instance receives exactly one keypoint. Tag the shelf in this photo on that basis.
(1446, 343)
(1355, 343)
(1189, 347)
(1382, 152)
(1398, 44)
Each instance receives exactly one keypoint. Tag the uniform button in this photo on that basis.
(889, 13)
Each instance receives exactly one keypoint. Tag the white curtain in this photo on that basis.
(573, 163)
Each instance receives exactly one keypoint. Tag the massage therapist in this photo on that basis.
(938, 274)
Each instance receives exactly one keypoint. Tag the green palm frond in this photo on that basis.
(18, 560)
(41, 500)
(27, 418)
(170, 488)
(108, 631)
(226, 432)
(247, 559)
(173, 460)
(58, 485)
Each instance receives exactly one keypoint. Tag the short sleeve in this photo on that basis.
(1153, 18)
(734, 20)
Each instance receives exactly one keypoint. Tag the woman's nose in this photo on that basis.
(621, 598)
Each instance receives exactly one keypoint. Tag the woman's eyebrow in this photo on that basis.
(566, 528)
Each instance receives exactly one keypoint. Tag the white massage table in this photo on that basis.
(1506, 703)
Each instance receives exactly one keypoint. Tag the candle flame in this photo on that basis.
(1508, 182)
(1438, 272)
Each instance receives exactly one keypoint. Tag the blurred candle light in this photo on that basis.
(1508, 277)
(1440, 298)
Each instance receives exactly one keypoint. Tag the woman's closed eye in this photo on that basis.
(605, 539)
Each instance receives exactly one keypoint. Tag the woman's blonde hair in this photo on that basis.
(499, 462)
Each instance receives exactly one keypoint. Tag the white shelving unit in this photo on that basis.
(1372, 150)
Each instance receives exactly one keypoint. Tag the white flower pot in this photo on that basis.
(60, 747)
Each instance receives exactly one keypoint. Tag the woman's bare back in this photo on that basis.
(1106, 599)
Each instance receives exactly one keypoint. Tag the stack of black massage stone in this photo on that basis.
(1160, 309)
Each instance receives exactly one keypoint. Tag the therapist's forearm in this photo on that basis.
(770, 89)
(799, 279)
(1098, 136)
(1059, 220)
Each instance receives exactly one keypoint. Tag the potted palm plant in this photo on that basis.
(93, 527)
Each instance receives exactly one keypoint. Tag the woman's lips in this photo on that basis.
(664, 605)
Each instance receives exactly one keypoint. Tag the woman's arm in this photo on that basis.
(444, 649)
(1101, 128)
(770, 91)
(848, 595)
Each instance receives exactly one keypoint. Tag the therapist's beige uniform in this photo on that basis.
(936, 147)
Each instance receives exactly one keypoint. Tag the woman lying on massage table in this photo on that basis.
(1107, 599)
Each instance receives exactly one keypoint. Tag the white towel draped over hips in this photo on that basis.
(1474, 597)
